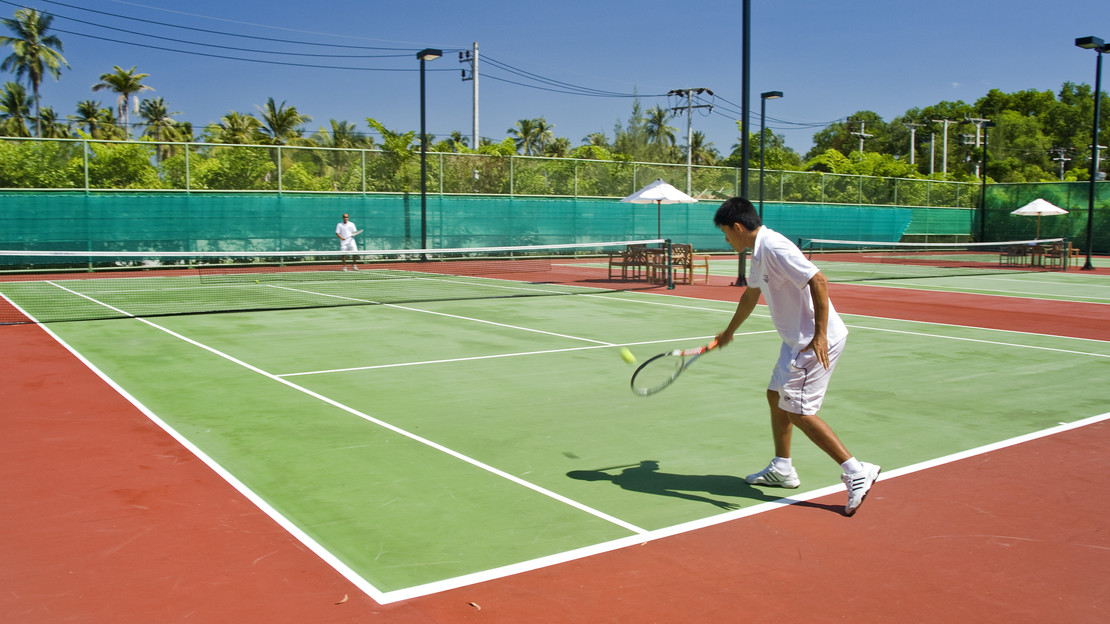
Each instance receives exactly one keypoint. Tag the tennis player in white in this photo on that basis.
(346, 231)
(813, 336)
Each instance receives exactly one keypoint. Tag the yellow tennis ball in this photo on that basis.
(627, 356)
(256, 282)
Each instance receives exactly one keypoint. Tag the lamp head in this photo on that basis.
(431, 54)
(771, 95)
(1090, 43)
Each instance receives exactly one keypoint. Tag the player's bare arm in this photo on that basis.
(818, 288)
(743, 309)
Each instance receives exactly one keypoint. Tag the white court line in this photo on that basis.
(640, 538)
(686, 527)
(353, 576)
(454, 316)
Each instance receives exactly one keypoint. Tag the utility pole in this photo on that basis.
(1060, 158)
(861, 134)
(978, 128)
(689, 95)
(944, 163)
(913, 143)
(932, 153)
(471, 57)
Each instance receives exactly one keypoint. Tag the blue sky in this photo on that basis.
(830, 58)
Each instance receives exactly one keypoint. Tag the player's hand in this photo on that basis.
(820, 349)
(724, 338)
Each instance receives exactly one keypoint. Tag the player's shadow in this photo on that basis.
(647, 478)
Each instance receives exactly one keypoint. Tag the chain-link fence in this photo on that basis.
(148, 165)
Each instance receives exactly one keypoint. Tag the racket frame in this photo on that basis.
(689, 356)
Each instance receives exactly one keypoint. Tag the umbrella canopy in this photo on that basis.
(1036, 208)
(659, 193)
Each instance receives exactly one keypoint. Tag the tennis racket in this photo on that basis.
(661, 371)
(357, 232)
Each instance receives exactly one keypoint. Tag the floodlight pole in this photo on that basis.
(1099, 46)
(745, 150)
(428, 54)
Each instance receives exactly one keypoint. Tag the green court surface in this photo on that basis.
(414, 444)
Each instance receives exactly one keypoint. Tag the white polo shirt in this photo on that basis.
(781, 272)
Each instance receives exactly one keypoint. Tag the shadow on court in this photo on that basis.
(646, 478)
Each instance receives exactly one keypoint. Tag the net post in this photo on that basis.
(670, 268)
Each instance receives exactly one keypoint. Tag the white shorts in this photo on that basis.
(348, 244)
(801, 380)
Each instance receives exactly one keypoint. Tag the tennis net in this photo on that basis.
(847, 261)
(52, 286)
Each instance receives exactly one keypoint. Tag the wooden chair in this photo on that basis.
(1073, 252)
(700, 262)
(633, 262)
(1013, 255)
(1056, 256)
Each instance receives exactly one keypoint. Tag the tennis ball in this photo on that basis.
(627, 356)
(256, 282)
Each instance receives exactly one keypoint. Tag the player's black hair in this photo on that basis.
(737, 210)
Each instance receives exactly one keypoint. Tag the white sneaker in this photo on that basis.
(772, 477)
(859, 485)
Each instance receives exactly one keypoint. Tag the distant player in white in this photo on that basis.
(346, 233)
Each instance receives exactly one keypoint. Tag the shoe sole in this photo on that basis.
(779, 485)
(861, 501)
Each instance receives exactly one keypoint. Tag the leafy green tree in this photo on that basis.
(632, 139)
(96, 121)
(35, 52)
(127, 84)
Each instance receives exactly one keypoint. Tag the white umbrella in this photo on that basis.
(1039, 207)
(661, 193)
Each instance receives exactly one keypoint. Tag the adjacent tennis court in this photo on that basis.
(426, 445)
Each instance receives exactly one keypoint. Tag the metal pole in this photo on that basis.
(423, 167)
(745, 150)
(762, 143)
(689, 137)
(1088, 265)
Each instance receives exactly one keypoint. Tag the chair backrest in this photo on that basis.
(681, 252)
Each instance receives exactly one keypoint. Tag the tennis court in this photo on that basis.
(425, 447)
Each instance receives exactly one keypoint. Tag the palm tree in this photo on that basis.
(544, 134)
(658, 132)
(236, 128)
(525, 135)
(457, 139)
(15, 109)
(280, 124)
(160, 126)
(343, 134)
(701, 151)
(126, 84)
(557, 148)
(35, 52)
(52, 127)
(596, 138)
(90, 117)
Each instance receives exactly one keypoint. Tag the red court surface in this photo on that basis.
(107, 519)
